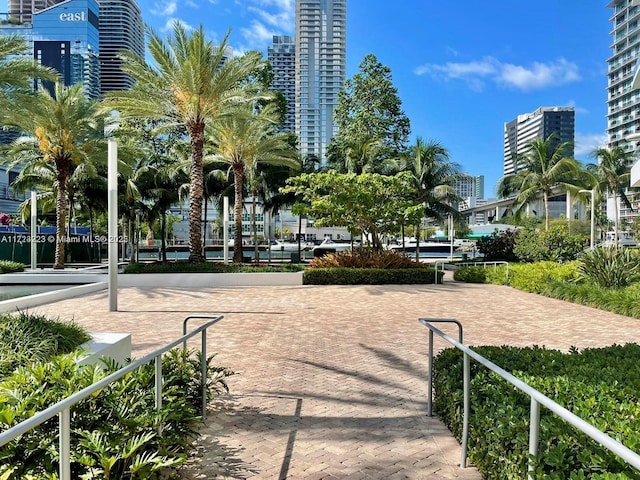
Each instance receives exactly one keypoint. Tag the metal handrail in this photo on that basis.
(537, 399)
(63, 407)
(435, 264)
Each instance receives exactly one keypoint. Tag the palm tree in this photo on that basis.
(190, 84)
(243, 140)
(67, 131)
(432, 176)
(613, 176)
(543, 168)
(17, 72)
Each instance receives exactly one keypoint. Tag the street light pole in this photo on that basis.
(593, 215)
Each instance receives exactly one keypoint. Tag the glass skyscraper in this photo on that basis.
(320, 71)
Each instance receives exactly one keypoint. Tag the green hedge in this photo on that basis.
(369, 276)
(472, 274)
(7, 266)
(599, 385)
(207, 267)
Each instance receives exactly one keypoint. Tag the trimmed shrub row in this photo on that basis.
(7, 266)
(471, 274)
(599, 385)
(207, 267)
(369, 276)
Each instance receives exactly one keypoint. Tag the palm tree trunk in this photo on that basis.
(163, 234)
(238, 179)
(616, 220)
(62, 168)
(417, 243)
(196, 189)
(254, 228)
(204, 234)
(545, 197)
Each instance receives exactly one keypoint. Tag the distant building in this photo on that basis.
(541, 124)
(121, 28)
(21, 11)
(321, 46)
(282, 55)
(470, 186)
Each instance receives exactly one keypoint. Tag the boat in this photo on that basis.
(280, 246)
(423, 247)
(329, 245)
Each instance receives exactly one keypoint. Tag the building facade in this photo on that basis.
(541, 123)
(282, 55)
(21, 11)
(121, 28)
(320, 56)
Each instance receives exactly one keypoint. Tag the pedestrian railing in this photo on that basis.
(537, 399)
(63, 407)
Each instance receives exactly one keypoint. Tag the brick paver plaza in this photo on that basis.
(331, 380)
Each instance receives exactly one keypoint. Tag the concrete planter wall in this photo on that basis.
(204, 280)
(107, 345)
(30, 301)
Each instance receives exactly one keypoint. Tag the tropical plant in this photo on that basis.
(498, 245)
(243, 140)
(612, 172)
(542, 169)
(191, 84)
(364, 258)
(610, 266)
(66, 132)
(555, 244)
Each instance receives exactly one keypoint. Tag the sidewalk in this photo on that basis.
(331, 380)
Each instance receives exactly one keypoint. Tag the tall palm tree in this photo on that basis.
(243, 140)
(543, 168)
(613, 175)
(191, 84)
(67, 130)
(432, 176)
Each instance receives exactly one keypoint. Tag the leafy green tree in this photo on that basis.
(371, 124)
(613, 175)
(189, 84)
(371, 203)
(543, 168)
(242, 141)
(498, 245)
(556, 244)
(67, 131)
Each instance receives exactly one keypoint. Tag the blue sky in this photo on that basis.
(462, 69)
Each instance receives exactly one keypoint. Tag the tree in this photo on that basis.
(243, 140)
(613, 176)
(543, 168)
(371, 203)
(67, 131)
(190, 84)
(432, 175)
(371, 124)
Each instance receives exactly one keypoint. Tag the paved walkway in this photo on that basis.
(331, 380)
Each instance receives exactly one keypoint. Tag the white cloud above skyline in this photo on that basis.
(478, 73)
(587, 143)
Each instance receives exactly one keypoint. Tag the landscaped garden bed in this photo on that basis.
(208, 267)
(598, 385)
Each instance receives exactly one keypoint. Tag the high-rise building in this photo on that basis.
(63, 36)
(282, 55)
(623, 95)
(121, 28)
(321, 41)
(21, 11)
(541, 123)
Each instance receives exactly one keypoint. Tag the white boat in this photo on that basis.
(423, 247)
(328, 244)
(279, 246)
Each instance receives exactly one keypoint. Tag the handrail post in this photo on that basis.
(534, 434)
(203, 372)
(430, 366)
(158, 379)
(64, 443)
(465, 411)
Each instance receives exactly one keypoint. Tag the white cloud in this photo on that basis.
(168, 26)
(164, 8)
(257, 36)
(582, 110)
(587, 143)
(477, 73)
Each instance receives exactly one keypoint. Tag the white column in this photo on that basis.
(112, 205)
(225, 230)
(569, 208)
(34, 230)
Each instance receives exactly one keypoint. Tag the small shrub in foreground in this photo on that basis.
(7, 266)
(610, 267)
(470, 274)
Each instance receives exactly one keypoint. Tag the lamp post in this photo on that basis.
(593, 215)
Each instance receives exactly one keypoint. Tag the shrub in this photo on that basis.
(610, 267)
(365, 258)
(470, 274)
(116, 433)
(599, 385)
(207, 267)
(498, 246)
(555, 244)
(7, 266)
(27, 338)
(540, 276)
(369, 276)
